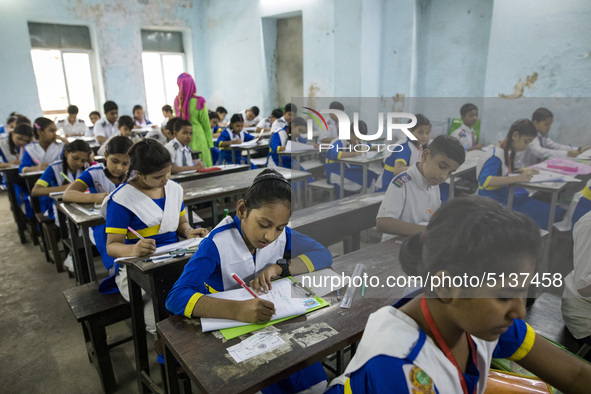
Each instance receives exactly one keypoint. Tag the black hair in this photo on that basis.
(236, 118)
(336, 105)
(21, 129)
(297, 121)
(221, 110)
(541, 114)
(74, 146)
(179, 124)
(213, 115)
(118, 145)
(97, 113)
(277, 113)
(467, 108)
(255, 110)
(421, 121)
(523, 127)
(499, 240)
(448, 146)
(126, 121)
(12, 119)
(22, 119)
(361, 126)
(148, 156)
(170, 124)
(136, 107)
(109, 106)
(41, 124)
(269, 187)
(72, 110)
(167, 108)
(289, 107)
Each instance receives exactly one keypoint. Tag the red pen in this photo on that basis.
(241, 283)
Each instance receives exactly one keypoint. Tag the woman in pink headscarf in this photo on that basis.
(191, 107)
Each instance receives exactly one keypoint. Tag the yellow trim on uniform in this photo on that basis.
(348, 386)
(211, 289)
(327, 161)
(388, 168)
(191, 304)
(41, 182)
(526, 345)
(279, 147)
(339, 156)
(307, 261)
(485, 185)
(182, 213)
(586, 193)
(115, 230)
(81, 181)
(402, 160)
(145, 232)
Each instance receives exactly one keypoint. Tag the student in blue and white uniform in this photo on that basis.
(496, 164)
(407, 156)
(12, 145)
(10, 124)
(291, 132)
(72, 126)
(75, 160)
(291, 111)
(465, 133)
(331, 132)
(442, 339)
(264, 126)
(139, 119)
(258, 246)
(233, 135)
(94, 117)
(353, 181)
(251, 116)
(150, 204)
(124, 129)
(178, 147)
(101, 180)
(106, 127)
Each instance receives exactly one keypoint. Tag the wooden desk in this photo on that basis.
(205, 360)
(226, 169)
(11, 176)
(362, 161)
(262, 144)
(336, 221)
(467, 166)
(297, 154)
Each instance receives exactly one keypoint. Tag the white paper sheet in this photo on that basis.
(190, 243)
(320, 282)
(294, 146)
(254, 345)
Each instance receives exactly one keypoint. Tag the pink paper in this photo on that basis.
(564, 166)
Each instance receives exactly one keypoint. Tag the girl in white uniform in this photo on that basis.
(442, 339)
(12, 146)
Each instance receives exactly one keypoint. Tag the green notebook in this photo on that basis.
(316, 303)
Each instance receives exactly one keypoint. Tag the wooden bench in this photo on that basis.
(50, 235)
(323, 186)
(95, 311)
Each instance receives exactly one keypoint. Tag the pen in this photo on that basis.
(164, 257)
(36, 161)
(363, 289)
(430, 211)
(338, 295)
(135, 233)
(102, 188)
(241, 283)
(65, 177)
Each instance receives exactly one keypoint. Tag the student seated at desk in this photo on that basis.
(159, 133)
(180, 153)
(465, 133)
(495, 166)
(10, 124)
(583, 205)
(233, 135)
(442, 338)
(167, 114)
(291, 111)
(152, 206)
(94, 117)
(332, 131)
(542, 146)
(291, 132)
(413, 195)
(216, 130)
(251, 116)
(101, 180)
(107, 126)
(12, 146)
(139, 118)
(223, 115)
(258, 246)
(353, 181)
(125, 127)
(264, 126)
(72, 126)
(60, 174)
(407, 156)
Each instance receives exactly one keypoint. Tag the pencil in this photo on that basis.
(430, 211)
(102, 188)
(65, 177)
(135, 233)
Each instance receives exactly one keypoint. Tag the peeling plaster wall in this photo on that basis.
(115, 35)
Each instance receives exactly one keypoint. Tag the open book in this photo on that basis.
(190, 243)
(294, 146)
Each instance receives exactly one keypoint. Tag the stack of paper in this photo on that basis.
(294, 146)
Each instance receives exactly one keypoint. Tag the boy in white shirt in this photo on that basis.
(291, 111)
(333, 125)
(465, 133)
(265, 124)
(107, 126)
(180, 152)
(72, 126)
(125, 127)
(251, 116)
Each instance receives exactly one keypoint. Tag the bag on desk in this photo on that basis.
(499, 382)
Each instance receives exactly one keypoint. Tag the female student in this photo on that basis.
(139, 119)
(258, 246)
(61, 173)
(233, 135)
(12, 147)
(291, 131)
(353, 174)
(38, 155)
(191, 107)
(442, 338)
(100, 181)
(149, 204)
(495, 166)
(410, 153)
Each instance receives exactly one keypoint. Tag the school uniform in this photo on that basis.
(353, 181)
(142, 123)
(408, 156)
(3, 130)
(103, 128)
(331, 132)
(5, 153)
(52, 177)
(264, 123)
(103, 148)
(466, 135)
(180, 154)
(539, 149)
(278, 140)
(224, 252)
(70, 130)
(492, 163)
(96, 180)
(396, 356)
(278, 124)
(250, 123)
(226, 151)
(158, 135)
(583, 205)
(576, 309)
(409, 198)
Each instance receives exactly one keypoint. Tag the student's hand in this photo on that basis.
(572, 153)
(236, 142)
(262, 283)
(256, 310)
(15, 162)
(62, 139)
(196, 232)
(480, 145)
(144, 247)
(43, 166)
(199, 165)
(527, 175)
(100, 197)
(137, 127)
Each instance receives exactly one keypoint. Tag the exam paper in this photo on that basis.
(254, 345)
(280, 296)
(190, 243)
(294, 146)
(320, 282)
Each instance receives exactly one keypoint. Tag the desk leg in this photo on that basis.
(451, 187)
(510, 197)
(88, 253)
(546, 257)
(214, 212)
(280, 160)
(172, 379)
(82, 276)
(364, 187)
(248, 156)
(342, 191)
(139, 333)
(305, 191)
(233, 156)
(19, 218)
